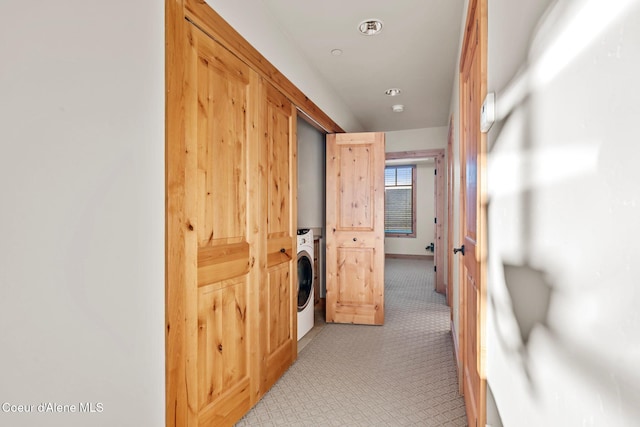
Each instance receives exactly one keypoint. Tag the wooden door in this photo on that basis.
(355, 228)
(472, 283)
(230, 219)
(278, 309)
(212, 302)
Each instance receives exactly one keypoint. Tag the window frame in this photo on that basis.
(414, 182)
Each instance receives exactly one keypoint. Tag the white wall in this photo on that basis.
(261, 29)
(311, 176)
(82, 218)
(417, 139)
(563, 318)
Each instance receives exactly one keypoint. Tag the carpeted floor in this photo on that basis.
(399, 374)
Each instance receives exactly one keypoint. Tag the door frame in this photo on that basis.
(439, 210)
(450, 194)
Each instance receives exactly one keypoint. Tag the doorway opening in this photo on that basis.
(435, 245)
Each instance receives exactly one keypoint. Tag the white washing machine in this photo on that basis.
(305, 281)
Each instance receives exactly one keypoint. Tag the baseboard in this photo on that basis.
(406, 256)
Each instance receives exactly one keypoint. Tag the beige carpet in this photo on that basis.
(399, 374)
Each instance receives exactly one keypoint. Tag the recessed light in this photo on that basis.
(398, 108)
(336, 52)
(370, 27)
(392, 92)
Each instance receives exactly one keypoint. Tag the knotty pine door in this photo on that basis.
(279, 287)
(231, 300)
(473, 288)
(355, 228)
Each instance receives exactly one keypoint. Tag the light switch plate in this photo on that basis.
(488, 112)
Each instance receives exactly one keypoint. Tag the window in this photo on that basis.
(399, 197)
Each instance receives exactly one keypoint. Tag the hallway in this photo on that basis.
(399, 374)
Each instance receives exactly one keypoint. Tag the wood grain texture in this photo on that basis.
(356, 210)
(355, 228)
(231, 285)
(222, 340)
(177, 235)
(279, 313)
(355, 276)
(209, 248)
(221, 262)
(222, 119)
(279, 250)
(280, 140)
(280, 293)
(256, 233)
(223, 85)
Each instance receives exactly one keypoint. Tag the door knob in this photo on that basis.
(460, 249)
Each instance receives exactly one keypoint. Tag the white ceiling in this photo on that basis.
(416, 52)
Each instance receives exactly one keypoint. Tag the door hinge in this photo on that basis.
(435, 268)
(435, 171)
(435, 220)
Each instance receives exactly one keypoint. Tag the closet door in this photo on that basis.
(231, 291)
(278, 294)
(221, 308)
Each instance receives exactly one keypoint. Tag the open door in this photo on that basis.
(355, 228)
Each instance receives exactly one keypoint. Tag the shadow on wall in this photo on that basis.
(531, 296)
(514, 180)
(493, 415)
(530, 293)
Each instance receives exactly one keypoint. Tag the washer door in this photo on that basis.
(305, 279)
